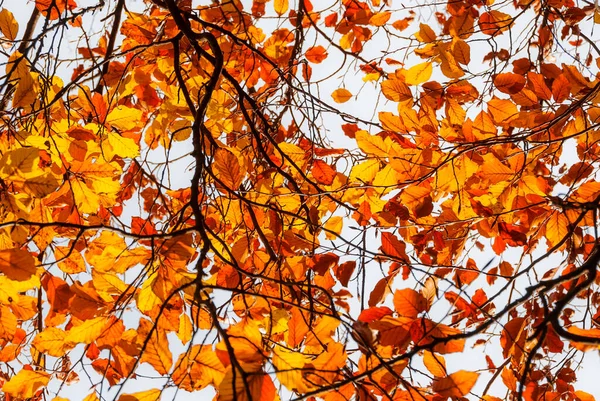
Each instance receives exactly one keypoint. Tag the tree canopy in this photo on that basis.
(284, 199)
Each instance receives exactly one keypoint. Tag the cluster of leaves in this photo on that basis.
(182, 209)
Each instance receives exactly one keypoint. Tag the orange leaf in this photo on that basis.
(494, 22)
(391, 245)
(344, 272)
(509, 83)
(17, 264)
(561, 88)
(316, 54)
(227, 169)
(425, 34)
(341, 95)
(323, 172)
(396, 90)
(409, 303)
(456, 385)
(435, 364)
(380, 19)
(374, 313)
(8, 25)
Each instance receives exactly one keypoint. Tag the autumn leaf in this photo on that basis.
(17, 264)
(409, 303)
(435, 364)
(418, 74)
(227, 169)
(281, 6)
(457, 384)
(323, 172)
(51, 341)
(341, 95)
(8, 25)
(148, 395)
(380, 19)
(25, 383)
(316, 54)
(396, 90)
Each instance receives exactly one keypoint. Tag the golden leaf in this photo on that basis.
(51, 341)
(8, 25)
(341, 95)
(435, 364)
(281, 6)
(88, 331)
(25, 384)
(456, 385)
(419, 73)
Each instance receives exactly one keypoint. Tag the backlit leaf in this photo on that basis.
(419, 74)
(341, 95)
(316, 54)
(409, 302)
(323, 172)
(25, 384)
(455, 385)
(281, 6)
(17, 264)
(8, 25)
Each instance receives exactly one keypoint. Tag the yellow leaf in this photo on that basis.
(91, 397)
(341, 95)
(386, 178)
(148, 395)
(419, 74)
(365, 171)
(185, 329)
(51, 341)
(88, 331)
(295, 153)
(25, 384)
(124, 118)
(335, 224)
(288, 366)
(19, 161)
(456, 385)
(8, 25)
(123, 146)
(281, 6)
(87, 200)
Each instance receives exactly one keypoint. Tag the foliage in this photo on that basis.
(195, 199)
